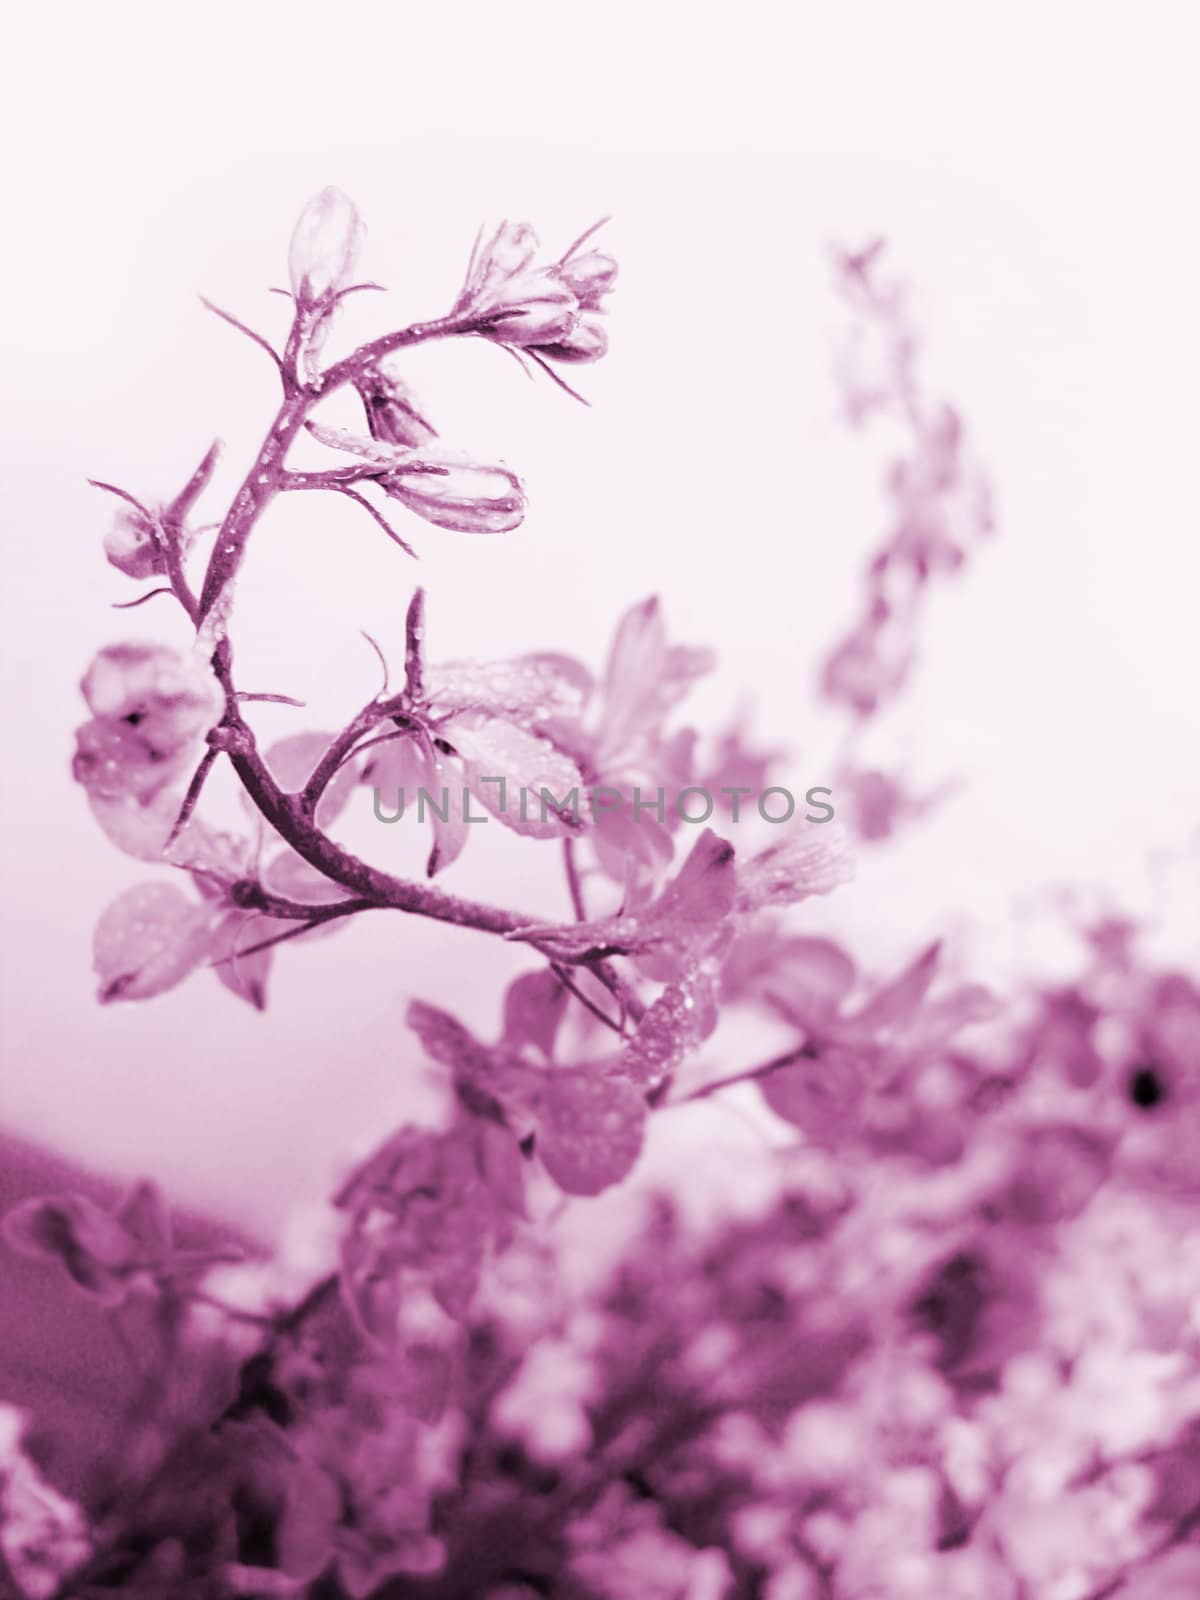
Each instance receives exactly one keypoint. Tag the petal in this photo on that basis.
(141, 830)
(590, 1129)
(508, 252)
(147, 941)
(534, 1006)
(820, 1095)
(446, 1041)
(525, 690)
(171, 699)
(540, 795)
(622, 840)
(289, 875)
(294, 760)
(635, 662)
(895, 1004)
(812, 859)
(450, 826)
(245, 975)
(398, 763)
(702, 892)
(810, 979)
(114, 761)
(643, 680)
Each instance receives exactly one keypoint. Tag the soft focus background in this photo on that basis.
(1032, 170)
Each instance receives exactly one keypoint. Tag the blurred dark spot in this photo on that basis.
(952, 1307)
(1146, 1088)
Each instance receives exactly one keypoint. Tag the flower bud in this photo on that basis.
(507, 254)
(586, 342)
(168, 700)
(589, 277)
(460, 495)
(538, 310)
(391, 408)
(325, 247)
(131, 547)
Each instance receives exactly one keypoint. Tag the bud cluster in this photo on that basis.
(549, 310)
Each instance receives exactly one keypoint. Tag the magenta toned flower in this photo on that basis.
(151, 708)
(132, 545)
(325, 247)
(148, 687)
(933, 1334)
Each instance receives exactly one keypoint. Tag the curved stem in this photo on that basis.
(260, 486)
(345, 371)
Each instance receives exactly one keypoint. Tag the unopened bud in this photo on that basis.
(538, 310)
(586, 342)
(131, 546)
(392, 414)
(325, 247)
(589, 277)
(460, 495)
(505, 255)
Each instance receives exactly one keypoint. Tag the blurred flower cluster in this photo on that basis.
(951, 1348)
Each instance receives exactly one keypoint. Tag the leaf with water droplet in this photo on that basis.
(147, 941)
(590, 1129)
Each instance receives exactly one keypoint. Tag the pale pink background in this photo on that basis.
(1035, 173)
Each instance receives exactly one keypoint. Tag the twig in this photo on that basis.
(190, 798)
(763, 1070)
(195, 486)
(568, 982)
